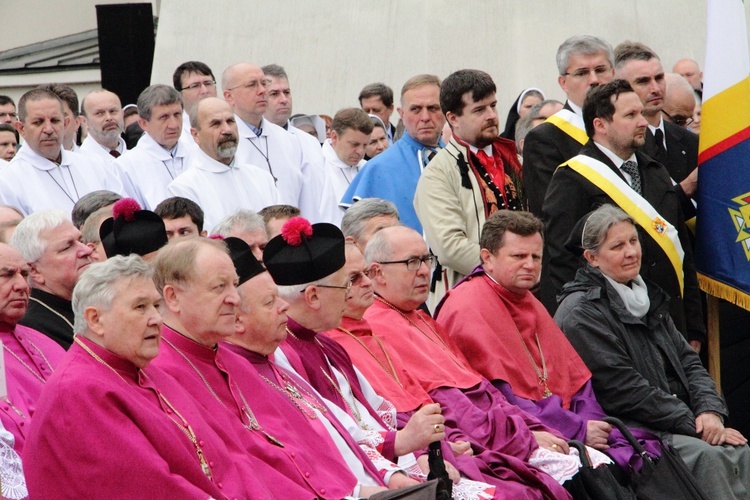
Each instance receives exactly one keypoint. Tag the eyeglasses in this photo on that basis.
(414, 263)
(346, 287)
(358, 277)
(584, 72)
(679, 120)
(209, 84)
(253, 85)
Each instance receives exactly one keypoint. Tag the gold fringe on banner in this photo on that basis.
(724, 291)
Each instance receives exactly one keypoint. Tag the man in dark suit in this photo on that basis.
(583, 62)
(614, 122)
(674, 147)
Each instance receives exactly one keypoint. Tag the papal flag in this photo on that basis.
(722, 251)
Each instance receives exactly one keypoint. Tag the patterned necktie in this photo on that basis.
(661, 153)
(631, 168)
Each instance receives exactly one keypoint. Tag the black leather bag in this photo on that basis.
(595, 483)
(663, 478)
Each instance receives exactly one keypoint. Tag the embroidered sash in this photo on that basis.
(571, 124)
(661, 231)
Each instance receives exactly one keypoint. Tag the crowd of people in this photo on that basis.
(222, 299)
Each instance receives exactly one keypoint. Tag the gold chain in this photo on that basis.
(392, 371)
(34, 299)
(441, 343)
(184, 426)
(353, 405)
(292, 392)
(540, 374)
(31, 370)
(252, 422)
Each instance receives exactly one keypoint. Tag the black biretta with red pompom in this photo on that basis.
(132, 230)
(245, 263)
(304, 253)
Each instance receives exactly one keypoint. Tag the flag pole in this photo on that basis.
(714, 347)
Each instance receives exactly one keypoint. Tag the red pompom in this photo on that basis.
(126, 208)
(216, 237)
(293, 230)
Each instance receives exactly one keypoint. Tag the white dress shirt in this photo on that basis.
(221, 190)
(277, 152)
(148, 169)
(339, 176)
(31, 182)
(313, 173)
(91, 147)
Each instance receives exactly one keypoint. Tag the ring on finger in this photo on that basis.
(437, 428)
(554, 446)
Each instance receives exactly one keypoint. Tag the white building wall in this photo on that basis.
(332, 48)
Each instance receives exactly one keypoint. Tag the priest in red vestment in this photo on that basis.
(508, 336)
(108, 425)
(29, 356)
(400, 270)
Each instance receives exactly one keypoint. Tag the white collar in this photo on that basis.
(576, 109)
(612, 156)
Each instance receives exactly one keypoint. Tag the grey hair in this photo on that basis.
(292, 293)
(90, 228)
(157, 95)
(598, 225)
(523, 127)
(275, 71)
(242, 220)
(582, 44)
(26, 236)
(361, 212)
(96, 286)
(537, 108)
(378, 248)
(90, 203)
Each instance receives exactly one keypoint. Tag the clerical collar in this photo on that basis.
(612, 156)
(576, 109)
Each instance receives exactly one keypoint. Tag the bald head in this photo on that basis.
(214, 129)
(404, 285)
(679, 100)
(102, 111)
(690, 71)
(244, 87)
(14, 286)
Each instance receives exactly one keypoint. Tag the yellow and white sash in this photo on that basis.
(571, 124)
(661, 231)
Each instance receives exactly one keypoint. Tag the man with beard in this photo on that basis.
(103, 113)
(612, 169)
(475, 175)
(218, 182)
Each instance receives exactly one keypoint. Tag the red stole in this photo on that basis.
(485, 320)
(377, 368)
(432, 360)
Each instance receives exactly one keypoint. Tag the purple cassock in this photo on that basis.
(501, 441)
(302, 391)
(106, 429)
(293, 466)
(30, 358)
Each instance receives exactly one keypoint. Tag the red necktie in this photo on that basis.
(115, 153)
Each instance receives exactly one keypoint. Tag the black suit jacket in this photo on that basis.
(571, 196)
(680, 161)
(545, 147)
(53, 325)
